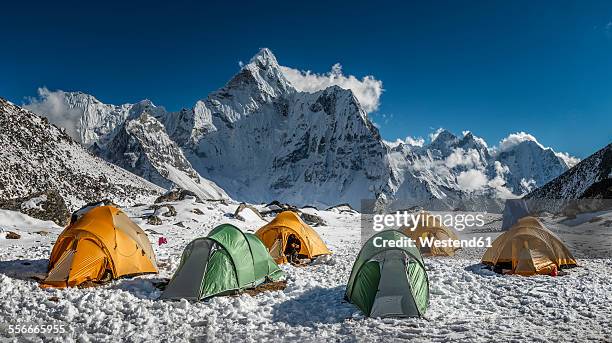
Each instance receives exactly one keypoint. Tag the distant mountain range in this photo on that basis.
(259, 139)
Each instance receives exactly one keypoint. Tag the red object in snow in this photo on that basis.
(162, 240)
(554, 271)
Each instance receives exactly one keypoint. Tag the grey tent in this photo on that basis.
(389, 281)
(514, 210)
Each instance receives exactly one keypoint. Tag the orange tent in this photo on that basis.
(430, 227)
(529, 248)
(102, 243)
(276, 233)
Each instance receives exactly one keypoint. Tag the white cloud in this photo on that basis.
(460, 157)
(415, 141)
(498, 183)
(472, 180)
(569, 160)
(51, 104)
(367, 90)
(528, 185)
(412, 141)
(515, 139)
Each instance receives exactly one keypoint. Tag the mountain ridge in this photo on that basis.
(260, 139)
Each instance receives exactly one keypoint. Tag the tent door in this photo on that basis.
(394, 297)
(276, 250)
(61, 270)
(522, 261)
(187, 281)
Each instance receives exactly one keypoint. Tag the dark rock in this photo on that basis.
(281, 207)
(47, 205)
(154, 220)
(243, 207)
(176, 195)
(312, 219)
(169, 212)
(197, 211)
(12, 235)
(342, 208)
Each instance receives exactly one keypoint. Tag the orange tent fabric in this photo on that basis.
(430, 226)
(529, 248)
(274, 236)
(103, 242)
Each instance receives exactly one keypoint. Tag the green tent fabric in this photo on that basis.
(389, 281)
(226, 261)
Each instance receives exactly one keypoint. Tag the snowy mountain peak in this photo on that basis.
(264, 59)
(444, 137)
(261, 139)
(261, 80)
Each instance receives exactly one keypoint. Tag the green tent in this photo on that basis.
(226, 261)
(389, 281)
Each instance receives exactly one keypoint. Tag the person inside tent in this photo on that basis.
(293, 249)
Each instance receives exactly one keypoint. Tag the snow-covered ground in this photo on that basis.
(468, 303)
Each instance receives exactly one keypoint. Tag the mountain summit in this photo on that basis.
(261, 139)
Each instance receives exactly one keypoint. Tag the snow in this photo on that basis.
(468, 303)
(203, 188)
(34, 203)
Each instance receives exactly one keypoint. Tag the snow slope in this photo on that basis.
(468, 303)
(37, 157)
(142, 146)
(591, 178)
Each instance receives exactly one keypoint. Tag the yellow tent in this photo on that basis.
(528, 248)
(275, 234)
(102, 243)
(430, 227)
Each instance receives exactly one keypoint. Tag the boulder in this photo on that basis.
(12, 235)
(154, 220)
(176, 194)
(312, 219)
(245, 211)
(48, 205)
(163, 210)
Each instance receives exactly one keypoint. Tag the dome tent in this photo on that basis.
(226, 261)
(430, 226)
(275, 234)
(389, 281)
(100, 242)
(528, 248)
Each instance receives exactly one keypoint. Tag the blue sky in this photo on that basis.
(491, 67)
